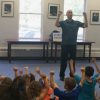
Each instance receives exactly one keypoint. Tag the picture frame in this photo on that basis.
(53, 10)
(95, 17)
(7, 8)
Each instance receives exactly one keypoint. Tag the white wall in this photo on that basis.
(93, 31)
(49, 24)
(9, 25)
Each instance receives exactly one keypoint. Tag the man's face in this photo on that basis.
(69, 14)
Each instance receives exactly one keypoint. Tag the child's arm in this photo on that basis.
(32, 77)
(38, 71)
(43, 76)
(96, 66)
(72, 72)
(26, 70)
(98, 79)
(83, 75)
(52, 77)
(46, 80)
(52, 81)
(21, 72)
(15, 69)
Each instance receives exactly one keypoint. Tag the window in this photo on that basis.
(30, 19)
(77, 7)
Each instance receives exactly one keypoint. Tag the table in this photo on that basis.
(16, 42)
(84, 43)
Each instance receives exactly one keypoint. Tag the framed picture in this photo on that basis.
(95, 17)
(53, 10)
(7, 8)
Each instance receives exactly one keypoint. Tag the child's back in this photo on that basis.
(87, 91)
(88, 88)
(64, 95)
(71, 90)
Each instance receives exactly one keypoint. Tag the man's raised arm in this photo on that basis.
(57, 20)
(85, 19)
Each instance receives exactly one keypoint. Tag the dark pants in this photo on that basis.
(67, 52)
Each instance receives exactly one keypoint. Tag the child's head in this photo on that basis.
(5, 88)
(18, 88)
(32, 77)
(26, 79)
(70, 83)
(6, 81)
(34, 89)
(89, 71)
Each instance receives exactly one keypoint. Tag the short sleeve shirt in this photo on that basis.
(87, 91)
(69, 31)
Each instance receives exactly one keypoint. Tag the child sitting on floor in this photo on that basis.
(18, 86)
(45, 85)
(88, 88)
(5, 87)
(71, 90)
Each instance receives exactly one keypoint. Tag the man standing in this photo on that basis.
(69, 39)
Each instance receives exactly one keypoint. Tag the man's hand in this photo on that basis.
(59, 13)
(85, 19)
(57, 20)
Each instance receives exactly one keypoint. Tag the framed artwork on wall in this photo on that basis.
(95, 17)
(7, 8)
(53, 10)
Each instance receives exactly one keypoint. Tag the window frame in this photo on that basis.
(83, 34)
(40, 29)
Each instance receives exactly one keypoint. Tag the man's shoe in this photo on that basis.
(62, 78)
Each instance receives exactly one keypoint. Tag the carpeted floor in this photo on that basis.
(6, 69)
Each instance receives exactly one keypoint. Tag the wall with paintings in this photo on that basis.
(93, 31)
(9, 25)
(48, 23)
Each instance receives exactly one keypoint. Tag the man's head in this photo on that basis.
(89, 71)
(70, 83)
(69, 14)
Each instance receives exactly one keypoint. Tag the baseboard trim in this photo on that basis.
(41, 58)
